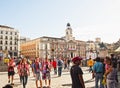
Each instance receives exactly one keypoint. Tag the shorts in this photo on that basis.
(11, 73)
(38, 76)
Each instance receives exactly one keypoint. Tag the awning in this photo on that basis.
(118, 49)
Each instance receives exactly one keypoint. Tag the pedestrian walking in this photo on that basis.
(68, 63)
(90, 64)
(54, 65)
(32, 66)
(46, 69)
(98, 72)
(11, 71)
(18, 68)
(24, 71)
(77, 73)
(37, 68)
(60, 66)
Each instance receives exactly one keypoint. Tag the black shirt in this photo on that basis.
(114, 62)
(74, 72)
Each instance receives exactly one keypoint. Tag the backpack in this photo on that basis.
(60, 63)
(37, 67)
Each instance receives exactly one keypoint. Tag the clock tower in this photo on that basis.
(69, 35)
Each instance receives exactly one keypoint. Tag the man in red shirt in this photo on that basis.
(54, 64)
(11, 71)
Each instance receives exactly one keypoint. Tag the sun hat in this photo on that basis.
(76, 59)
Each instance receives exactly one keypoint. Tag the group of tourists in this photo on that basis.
(41, 69)
(23, 71)
(105, 71)
(102, 69)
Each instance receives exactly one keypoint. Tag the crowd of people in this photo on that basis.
(103, 70)
(41, 69)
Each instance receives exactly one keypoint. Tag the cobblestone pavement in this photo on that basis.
(56, 82)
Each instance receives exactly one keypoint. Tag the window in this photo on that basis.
(6, 48)
(15, 48)
(11, 33)
(10, 37)
(1, 32)
(10, 48)
(15, 43)
(6, 42)
(1, 48)
(1, 37)
(15, 33)
(10, 42)
(1, 42)
(6, 32)
(6, 37)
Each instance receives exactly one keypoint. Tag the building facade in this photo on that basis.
(96, 48)
(52, 47)
(9, 41)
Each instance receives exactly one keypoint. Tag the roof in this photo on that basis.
(3, 26)
(52, 37)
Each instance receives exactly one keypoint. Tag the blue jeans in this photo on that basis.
(55, 70)
(24, 80)
(59, 71)
(98, 76)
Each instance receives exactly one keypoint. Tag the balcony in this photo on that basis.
(72, 49)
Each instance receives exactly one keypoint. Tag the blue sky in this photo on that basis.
(88, 18)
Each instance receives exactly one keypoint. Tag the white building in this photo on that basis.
(9, 41)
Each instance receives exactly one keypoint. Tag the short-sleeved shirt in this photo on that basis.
(24, 69)
(37, 67)
(75, 72)
(98, 67)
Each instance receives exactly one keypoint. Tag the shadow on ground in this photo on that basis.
(66, 84)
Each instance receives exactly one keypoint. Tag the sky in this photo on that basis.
(89, 19)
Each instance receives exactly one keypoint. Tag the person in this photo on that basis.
(98, 72)
(46, 69)
(77, 73)
(8, 86)
(37, 68)
(11, 71)
(54, 64)
(110, 74)
(18, 68)
(114, 63)
(24, 71)
(90, 64)
(60, 66)
(32, 66)
(68, 63)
